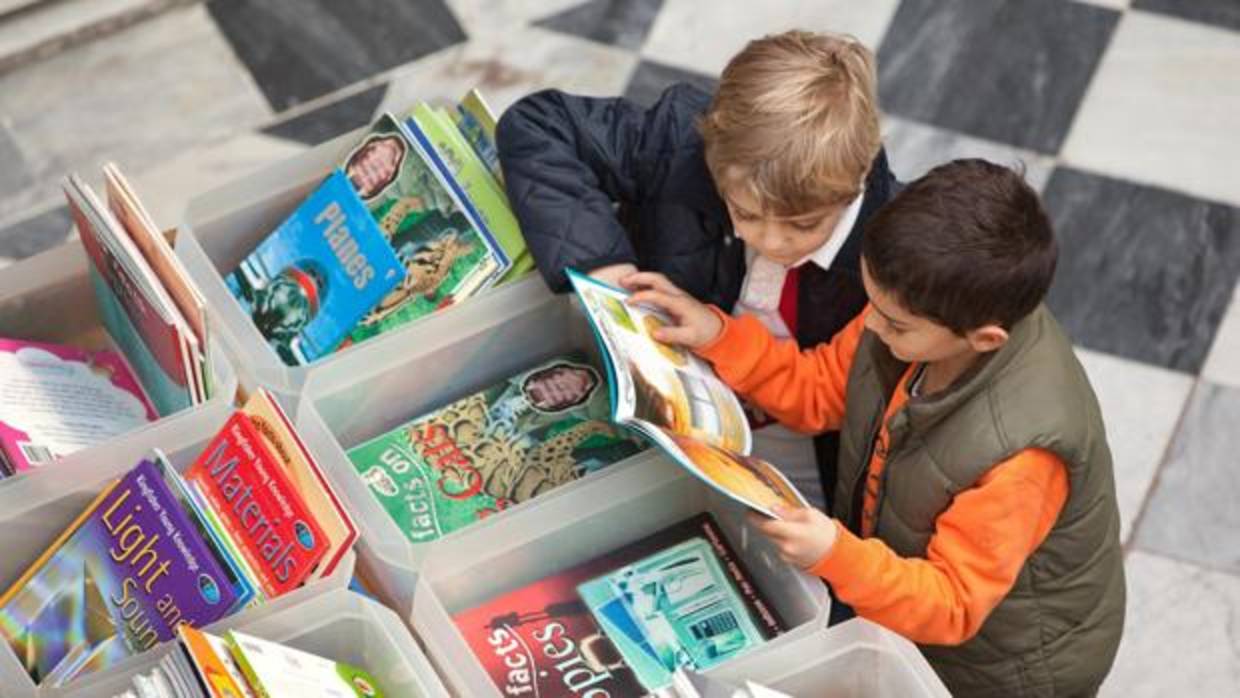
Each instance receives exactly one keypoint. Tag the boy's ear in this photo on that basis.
(987, 338)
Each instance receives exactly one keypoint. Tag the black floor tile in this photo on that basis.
(34, 235)
(331, 120)
(623, 23)
(650, 79)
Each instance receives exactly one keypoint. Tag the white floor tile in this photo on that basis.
(913, 148)
(1141, 406)
(1163, 108)
(688, 35)
(1179, 635)
(1223, 362)
(480, 17)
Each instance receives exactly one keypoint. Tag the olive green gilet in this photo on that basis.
(1057, 631)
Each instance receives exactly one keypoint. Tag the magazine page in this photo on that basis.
(676, 399)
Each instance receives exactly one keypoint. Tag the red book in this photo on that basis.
(266, 518)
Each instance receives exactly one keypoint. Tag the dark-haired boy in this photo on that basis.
(975, 508)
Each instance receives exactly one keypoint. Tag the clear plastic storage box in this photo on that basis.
(855, 659)
(338, 625)
(224, 226)
(35, 510)
(49, 298)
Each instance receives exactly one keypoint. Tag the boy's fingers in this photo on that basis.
(672, 305)
(674, 335)
(651, 280)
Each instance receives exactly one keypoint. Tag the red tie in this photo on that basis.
(788, 300)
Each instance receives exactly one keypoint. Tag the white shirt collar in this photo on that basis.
(825, 255)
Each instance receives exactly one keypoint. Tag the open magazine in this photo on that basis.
(676, 400)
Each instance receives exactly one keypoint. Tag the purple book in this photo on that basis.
(129, 571)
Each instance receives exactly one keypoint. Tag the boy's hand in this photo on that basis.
(695, 324)
(803, 536)
(612, 273)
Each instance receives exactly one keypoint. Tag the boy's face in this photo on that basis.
(915, 339)
(784, 241)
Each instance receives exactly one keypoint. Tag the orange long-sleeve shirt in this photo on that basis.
(979, 543)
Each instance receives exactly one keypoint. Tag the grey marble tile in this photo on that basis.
(481, 17)
(623, 23)
(332, 119)
(1143, 273)
(1163, 107)
(34, 235)
(1223, 362)
(650, 79)
(1012, 71)
(702, 37)
(301, 49)
(1179, 632)
(1222, 13)
(1141, 407)
(14, 173)
(913, 148)
(1192, 513)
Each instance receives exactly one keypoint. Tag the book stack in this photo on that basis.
(623, 623)
(412, 220)
(238, 665)
(496, 448)
(250, 519)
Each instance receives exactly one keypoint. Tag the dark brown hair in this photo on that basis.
(966, 245)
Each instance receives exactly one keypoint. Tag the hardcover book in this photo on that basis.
(476, 121)
(119, 581)
(282, 441)
(444, 256)
(278, 671)
(264, 515)
(498, 447)
(56, 399)
(324, 268)
(544, 639)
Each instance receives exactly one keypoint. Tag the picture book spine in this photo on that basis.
(760, 609)
(262, 511)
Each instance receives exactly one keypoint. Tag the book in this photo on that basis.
(446, 259)
(276, 532)
(57, 399)
(278, 671)
(303, 471)
(210, 659)
(543, 638)
(676, 400)
(493, 449)
(163, 262)
(119, 581)
(135, 307)
(312, 279)
(481, 194)
(476, 121)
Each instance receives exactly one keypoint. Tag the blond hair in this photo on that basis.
(794, 122)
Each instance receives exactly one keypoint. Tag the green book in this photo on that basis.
(495, 448)
(278, 671)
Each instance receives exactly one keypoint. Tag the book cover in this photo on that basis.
(57, 399)
(307, 477)
(163, 262)
(134, 307)
(444, 257)
(479, 190)
(122, 581)
(280, 671)
(277, 534)
(495, 448)
(324, 268)
(542, 639)
(211, 659)
(476, 122)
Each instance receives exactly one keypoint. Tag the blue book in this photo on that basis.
(320, 272)
(118, 582)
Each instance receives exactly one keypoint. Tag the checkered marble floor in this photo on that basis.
(1124, 114)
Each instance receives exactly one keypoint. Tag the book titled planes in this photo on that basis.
(413, 219)
(250, 519)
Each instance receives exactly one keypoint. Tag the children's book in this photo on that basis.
(544, 639)
(675, 399)
(283, 442)
(56, 399)
(476, 121)
(324, 268)
(483, 197)
(278, 671)
(163, 262)
(446, 259)
(119, 581)
(268, 520)
(211, 661)
(495, 448)
(135, 307)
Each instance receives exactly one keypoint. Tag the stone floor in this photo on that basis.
(1125, 115)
